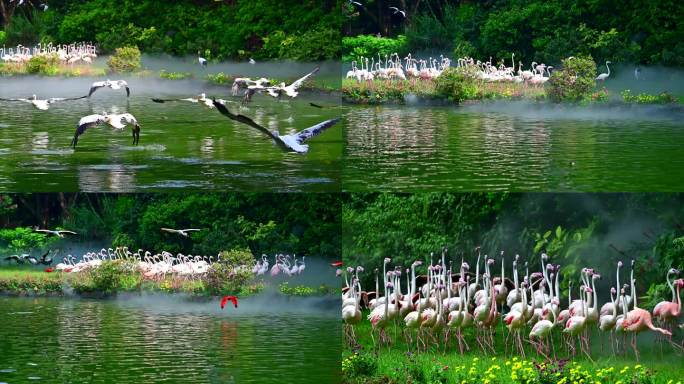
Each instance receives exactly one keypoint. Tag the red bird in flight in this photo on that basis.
(228, 298)
(337, 264)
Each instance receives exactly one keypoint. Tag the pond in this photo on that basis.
(514, 146)
(182, 145)
(267, 339)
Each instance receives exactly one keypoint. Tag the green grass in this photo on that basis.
(401, 364)
(59, 70)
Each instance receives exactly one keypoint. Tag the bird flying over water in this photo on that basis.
(277, 90)
(113, 84)
(118, 121)
(201, 98)
(45, 103)
(58, 232)
(292, 142)
(226, 299)
(182, 232)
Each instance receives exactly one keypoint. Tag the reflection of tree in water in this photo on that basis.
(389, 130)
(114, 178)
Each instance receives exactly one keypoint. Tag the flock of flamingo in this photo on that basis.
(448, 305)
(392, 68)
(81, 52)
(159, 265)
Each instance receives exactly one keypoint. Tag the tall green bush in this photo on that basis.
(43, 65)
(126, 59)
(455, 84)
(574, 82)
(371, 46)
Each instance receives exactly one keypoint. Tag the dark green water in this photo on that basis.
(182, 145)
(161, 339)
(515, 147)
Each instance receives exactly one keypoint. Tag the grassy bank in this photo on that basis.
(399, 91)
(403, 91)
(400, 364)
(115, 277)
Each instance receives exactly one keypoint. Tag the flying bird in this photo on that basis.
(18, 259)
(292, 142)
(182, 232)
(244, 82)
(226, 299)
(278, 90)
(201, 98)
(58, 232)
(397, 10)
(113, 84)
(115, 120)
(43, 105)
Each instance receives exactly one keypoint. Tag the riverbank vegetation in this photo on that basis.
(306, 224)
(220, 30)
(631, 33)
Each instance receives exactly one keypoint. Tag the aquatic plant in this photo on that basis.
(174, 75)
(646, 98)
(125, 59)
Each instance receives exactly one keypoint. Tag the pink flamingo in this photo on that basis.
(668, 311)
(638, 320)
(578, 323)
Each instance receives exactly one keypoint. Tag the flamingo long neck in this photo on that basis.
(593, 287)
(477, 270)
(612, 300)
(556, 287)
(608, 68)
(634, 295)
(413, 280)
(669, 283)
(515, 274)
(679, 300)
(617, 287)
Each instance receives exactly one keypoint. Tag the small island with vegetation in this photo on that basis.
(441, 52)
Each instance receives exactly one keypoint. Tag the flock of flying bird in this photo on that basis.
(440, 310)
(156, 266)
(393, 67)
(294, 142)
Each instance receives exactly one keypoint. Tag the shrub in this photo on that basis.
(3, 37)
(359, 365)
(42, 65)
(126, 59)
(317, 44)
(456, 84)
(371, 46)
(231, 273)
(574, 82)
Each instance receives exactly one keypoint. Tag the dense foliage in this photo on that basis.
(125, 59)
(576, 230)
(301, 30)
(456, 85)
(372, 46)
(536, 30)
(305, 224)
(575, 81)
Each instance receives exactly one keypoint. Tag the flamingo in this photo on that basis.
(604, 76)
(112, 84)
(182, 232)
(112, 119)
(638, 319)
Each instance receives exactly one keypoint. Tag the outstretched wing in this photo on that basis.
(68, 232)
(128, 91)
(192, 230)
(95, 86)
(85, 123)
(169, 230)
(316, 130)
(12, 99)
(242, 119)
(301, 81)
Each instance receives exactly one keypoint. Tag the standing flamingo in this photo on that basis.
(638, 319)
